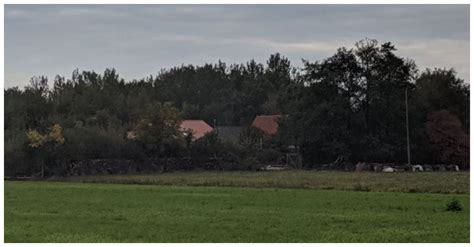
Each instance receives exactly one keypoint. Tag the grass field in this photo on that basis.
(85, 212)
(432, 182)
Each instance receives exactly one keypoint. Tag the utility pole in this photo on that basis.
(408, 130)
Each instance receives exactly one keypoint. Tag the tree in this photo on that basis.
(440, 89)
(435, 90)
(37, 104)
(277, 79)
(15, 110)
(45, 146)
(159, 127)
(352, 104)
(446, 133)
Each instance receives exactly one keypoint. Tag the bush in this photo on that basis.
(361, 187)
(268, 156)
(133, 151)
(454, 206)
(230, 151)
(206, 146)
(250, 137)
(92, 143)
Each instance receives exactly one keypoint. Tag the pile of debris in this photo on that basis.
(390, 167)
(340, 164)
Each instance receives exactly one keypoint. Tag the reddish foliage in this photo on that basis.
(446, 133)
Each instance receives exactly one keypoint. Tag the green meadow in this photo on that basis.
(95, 212)
(430, 182)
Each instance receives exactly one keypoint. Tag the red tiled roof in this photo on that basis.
(267, 123)
(197, 127)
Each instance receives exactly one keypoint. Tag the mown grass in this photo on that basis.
(78, 212)
(431, 182)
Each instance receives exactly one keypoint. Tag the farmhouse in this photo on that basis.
(198, 128)
(268, 124)
(229, 133)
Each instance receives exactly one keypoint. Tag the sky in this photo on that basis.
(140, 40)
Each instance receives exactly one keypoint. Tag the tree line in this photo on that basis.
(350, 104)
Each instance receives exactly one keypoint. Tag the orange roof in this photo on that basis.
(267, 123)
(197, 127)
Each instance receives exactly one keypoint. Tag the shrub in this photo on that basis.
(92, 143)
(361, 187)
(206, 146)
(454, 206)
(132, 150)
(268, 156)
(230, 151)
(250, 137)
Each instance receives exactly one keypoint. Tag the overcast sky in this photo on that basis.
(139, 40)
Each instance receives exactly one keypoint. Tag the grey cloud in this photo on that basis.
(139, 40)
